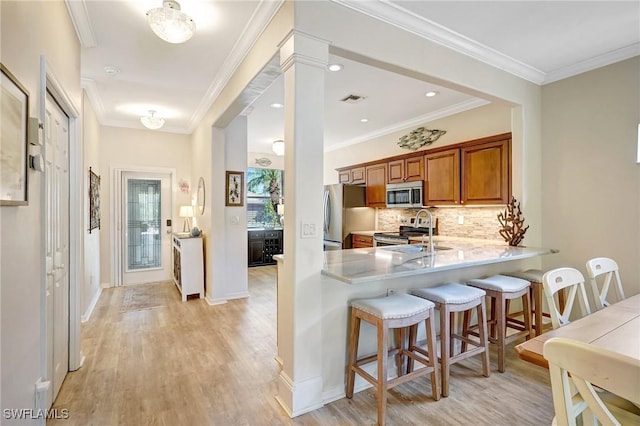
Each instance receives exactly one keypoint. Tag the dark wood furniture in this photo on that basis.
(263, 244)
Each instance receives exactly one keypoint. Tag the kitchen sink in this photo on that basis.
(414, 248)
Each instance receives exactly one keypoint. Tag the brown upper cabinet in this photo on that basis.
(355, 175)
(468, 173)
(405, 170)
(486, 173)
(376, 175)
(442, 172)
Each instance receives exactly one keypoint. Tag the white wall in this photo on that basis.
(140, 148)
(90, 289)
(488, 120)
(236, 217)
(591, 182)
(28, 30)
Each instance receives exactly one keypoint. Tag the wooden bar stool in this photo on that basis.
(449, 299)
(398, 311)
(501, 288)
(534, 276)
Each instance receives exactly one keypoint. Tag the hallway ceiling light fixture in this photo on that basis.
(151, 121)
(278, 147)
(170, 24)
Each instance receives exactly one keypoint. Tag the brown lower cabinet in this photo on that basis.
(361, 241)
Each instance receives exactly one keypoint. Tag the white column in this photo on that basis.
(303, 59)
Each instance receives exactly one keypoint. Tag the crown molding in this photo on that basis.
(93, 94)
(421, 120)
(432, 31)
(593, 63)
(261, 16)
(81, 22)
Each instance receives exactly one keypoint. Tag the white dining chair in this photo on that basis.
(580, 366)
(609, 268)
(565, 278)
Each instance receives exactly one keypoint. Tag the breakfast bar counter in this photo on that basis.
(352, 274)
(365, 265)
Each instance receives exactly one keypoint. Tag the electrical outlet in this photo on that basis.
(390, 291)
(460, 220)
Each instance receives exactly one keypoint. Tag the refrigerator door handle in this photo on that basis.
(327, 211)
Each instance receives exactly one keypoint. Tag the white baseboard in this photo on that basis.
(85, 317)
(214, 302)
(300, 397)
(107, 285)
(238, 295)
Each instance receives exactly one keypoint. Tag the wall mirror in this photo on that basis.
(200, 196)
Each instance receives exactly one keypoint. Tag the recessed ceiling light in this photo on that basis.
(111, 71)
(364, 120)
(431, 94)
(335, 67)
(276, 105)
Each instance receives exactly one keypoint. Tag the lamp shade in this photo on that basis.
(170, 24)
(278, 147)
(186, 211)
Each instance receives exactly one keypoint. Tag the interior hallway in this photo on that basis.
(153, 360)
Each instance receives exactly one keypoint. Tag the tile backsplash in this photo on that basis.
(478, 222)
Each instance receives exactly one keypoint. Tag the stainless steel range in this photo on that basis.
(401, 237)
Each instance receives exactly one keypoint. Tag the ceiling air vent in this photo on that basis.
(352, 99)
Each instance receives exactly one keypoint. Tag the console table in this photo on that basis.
(188, 267)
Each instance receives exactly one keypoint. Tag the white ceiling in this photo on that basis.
(541, 41)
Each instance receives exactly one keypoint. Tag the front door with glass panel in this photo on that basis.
(146, 238)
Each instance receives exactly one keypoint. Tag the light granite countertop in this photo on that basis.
(364, 265)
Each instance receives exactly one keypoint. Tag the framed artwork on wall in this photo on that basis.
(235, 189)
(94, 201)
(14, 104)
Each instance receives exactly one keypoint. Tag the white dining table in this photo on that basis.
(615, 328)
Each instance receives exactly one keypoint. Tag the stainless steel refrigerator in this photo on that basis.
(345, 211)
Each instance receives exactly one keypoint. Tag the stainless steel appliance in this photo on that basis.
(345, 211)
(408, 194)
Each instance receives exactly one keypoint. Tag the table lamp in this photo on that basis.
(187, 213)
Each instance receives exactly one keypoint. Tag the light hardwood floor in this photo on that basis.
(153, 360)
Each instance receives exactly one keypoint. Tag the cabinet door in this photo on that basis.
(395, 171)
(361, 241)
(376, 185)
(256, 252)
(442, 171)
(486, 173)
(414, 169)
(357, 175)
(344, 176)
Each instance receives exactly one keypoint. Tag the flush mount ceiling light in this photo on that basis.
(278, 147)
(335, 67)
(170, 24)
(151, 121)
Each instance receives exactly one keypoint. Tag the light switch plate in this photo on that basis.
(308, 230)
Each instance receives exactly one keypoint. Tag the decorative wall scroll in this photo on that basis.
(235, 189)
(94, 200)
(14, 107)
(420, 137)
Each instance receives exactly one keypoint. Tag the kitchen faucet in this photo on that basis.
(417, 224)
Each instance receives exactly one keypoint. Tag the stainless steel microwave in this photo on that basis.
(407, 194)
